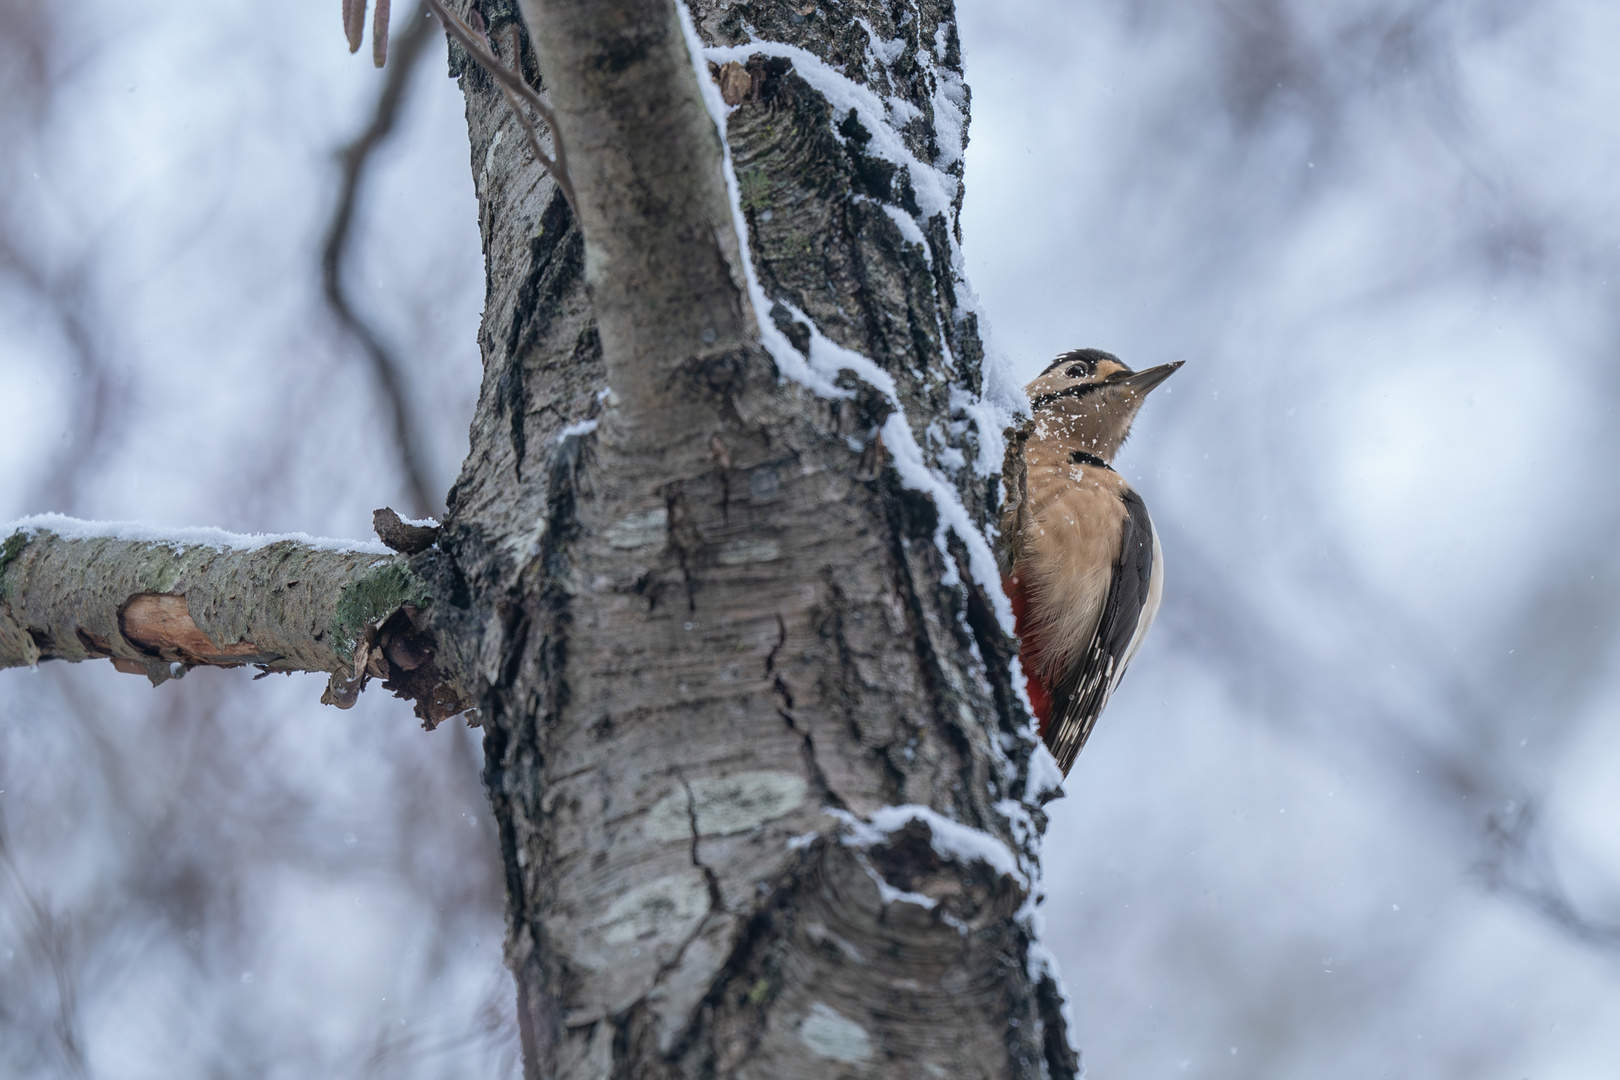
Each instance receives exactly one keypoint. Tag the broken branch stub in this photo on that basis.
(159, 606)
(401, 535)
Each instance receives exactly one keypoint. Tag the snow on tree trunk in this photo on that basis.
(157, 602)
(719, 582)
(715, 570)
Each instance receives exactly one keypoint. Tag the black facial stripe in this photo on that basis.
(1082, 457)
(1040, 401)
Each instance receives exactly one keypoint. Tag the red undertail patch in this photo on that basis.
(1040, 698)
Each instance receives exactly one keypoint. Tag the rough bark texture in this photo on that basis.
(713, 633)
(661, 259)
(762, 782)
(159, 608)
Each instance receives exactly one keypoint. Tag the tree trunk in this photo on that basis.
(715, 570)
(751, 740)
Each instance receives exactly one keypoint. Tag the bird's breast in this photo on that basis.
(1072, 528)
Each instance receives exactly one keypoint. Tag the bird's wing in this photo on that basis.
(1081, 691)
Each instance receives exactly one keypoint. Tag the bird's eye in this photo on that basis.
(1081, 370)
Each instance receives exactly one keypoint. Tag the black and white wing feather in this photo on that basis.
(1082, 690)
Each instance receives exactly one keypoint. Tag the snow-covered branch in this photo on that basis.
(158, 602)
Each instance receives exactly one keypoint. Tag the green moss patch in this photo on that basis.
(10, 548)
(372, 597)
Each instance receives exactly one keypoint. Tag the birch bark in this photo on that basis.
(718, 584)
(158, 604)
(719, 635)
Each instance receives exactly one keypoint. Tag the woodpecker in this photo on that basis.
(1079, 557)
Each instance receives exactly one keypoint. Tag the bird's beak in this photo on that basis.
(1140, 382)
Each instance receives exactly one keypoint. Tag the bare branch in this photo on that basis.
(160, 604)
(514, 88)
(652, 206)
(517, 92)
(385, 366)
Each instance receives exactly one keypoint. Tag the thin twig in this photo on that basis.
(554, 166)
(516, 90)
(408, 50)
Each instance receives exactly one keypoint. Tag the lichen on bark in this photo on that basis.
(711, 628)
(372, 596)
(159, 607)
(725, 578)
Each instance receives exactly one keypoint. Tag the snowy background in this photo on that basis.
(1356, 810)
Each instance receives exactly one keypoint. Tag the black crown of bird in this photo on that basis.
(1079, 557)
